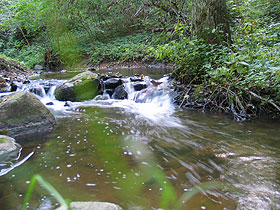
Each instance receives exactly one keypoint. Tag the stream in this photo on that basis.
(143, 152)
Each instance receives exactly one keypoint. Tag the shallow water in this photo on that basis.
(139, 155)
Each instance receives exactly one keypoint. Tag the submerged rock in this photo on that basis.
(22, 114)
(84, 86)
(92, 206)
(9, 149)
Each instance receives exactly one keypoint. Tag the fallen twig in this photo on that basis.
(5, 171)
(263, 99)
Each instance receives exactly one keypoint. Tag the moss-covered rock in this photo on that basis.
(9, 149)
(84, 86)
(22, 114)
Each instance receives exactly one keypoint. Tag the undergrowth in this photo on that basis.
(241, 78)
(129, 48)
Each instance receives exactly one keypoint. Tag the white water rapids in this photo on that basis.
(153, 103)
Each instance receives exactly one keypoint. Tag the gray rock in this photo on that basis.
(120, 93)
(102, 97)
(22, 114)
(37, 90)
(9, 149)
(91, 68)
(38, 67)
(136, 79)
(139, 86)
(112, 83)
(84, 86)
(13, 87)
(109, 92)
(92, 206)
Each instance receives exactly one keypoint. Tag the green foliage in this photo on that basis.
(128, 48)
(105, 31)
(31, 55)
(75, 26)
(12, 60)
(46, 186)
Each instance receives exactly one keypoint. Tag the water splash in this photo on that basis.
(153, 103)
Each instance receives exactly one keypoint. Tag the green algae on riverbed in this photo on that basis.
(96, 156)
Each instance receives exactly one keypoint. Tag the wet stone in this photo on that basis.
(112, 83)
(13, 87)
(23, 114)
(82, 87)
(9, 149)
(37, 90)
(139, 86)
(26, 82)
(93, 206)
(120, 93)
(109, 92)
(136, 79)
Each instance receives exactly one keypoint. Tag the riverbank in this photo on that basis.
(114, 65)
(241, 102)
(242, 105)
(13, 69)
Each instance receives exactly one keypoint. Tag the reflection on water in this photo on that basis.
(112, 151)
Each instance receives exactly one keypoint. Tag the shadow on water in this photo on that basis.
(112, 151)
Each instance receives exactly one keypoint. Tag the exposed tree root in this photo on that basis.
(241, 105)
(263, 99)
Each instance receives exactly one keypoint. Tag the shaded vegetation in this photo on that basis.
(241, 77)
(12, 67)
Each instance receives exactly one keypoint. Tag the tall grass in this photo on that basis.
(37, 178)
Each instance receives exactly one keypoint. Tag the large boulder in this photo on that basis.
(92, 206)
(84, 86)
(9, 149)
(22, 114)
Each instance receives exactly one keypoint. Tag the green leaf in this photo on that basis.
(49, 188)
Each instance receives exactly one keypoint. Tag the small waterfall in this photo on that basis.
(51, 92)
(153, 102)
(41, 88)
(38, 90)
(44, 90)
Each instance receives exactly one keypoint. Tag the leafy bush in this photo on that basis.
(31, 55)
(128, 48)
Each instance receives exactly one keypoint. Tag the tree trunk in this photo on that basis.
(210, 21)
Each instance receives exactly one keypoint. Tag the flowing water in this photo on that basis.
(144, 153)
